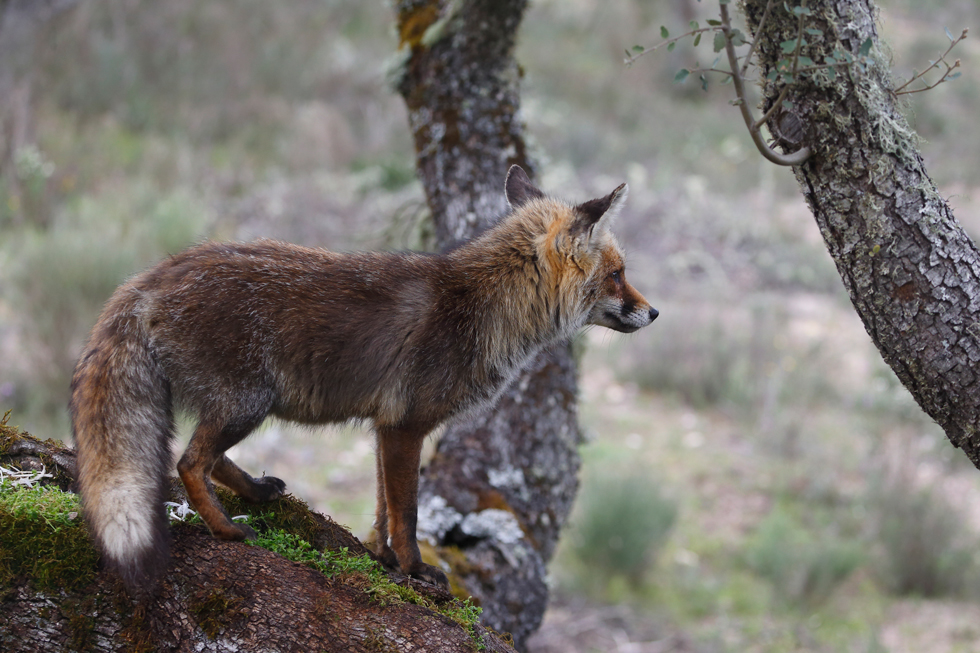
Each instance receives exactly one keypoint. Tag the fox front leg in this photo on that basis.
(399, 455)
(387, 556)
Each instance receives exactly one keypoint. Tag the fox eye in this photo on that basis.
(617, 276)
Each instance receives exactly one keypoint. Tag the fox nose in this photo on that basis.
(653, 313)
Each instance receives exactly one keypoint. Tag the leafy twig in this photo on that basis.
(942, 59)
(639, 51)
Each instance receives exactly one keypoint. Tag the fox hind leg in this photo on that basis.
(253, 490)
(204, 459)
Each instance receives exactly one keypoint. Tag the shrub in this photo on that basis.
(926, 547)
(622, 524)
(803, 567)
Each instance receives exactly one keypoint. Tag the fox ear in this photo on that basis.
(519, 189)
(600, 212)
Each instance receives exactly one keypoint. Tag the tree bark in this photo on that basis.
(911, 271)
(502, 483)
(216, 596)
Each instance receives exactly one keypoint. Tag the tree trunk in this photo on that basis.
(911, 271)
(501, 484)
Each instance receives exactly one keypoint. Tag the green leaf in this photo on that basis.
(866, 47)
(704, 83)
(719, 42)
(805, 61)
(788, 46)
(813, 31)
(788, 104)
(714, 22)
(637, 48)
(671, 46)
(693, 24)
(801, 11)
(832, 74)
(738, 38)
(771, 75)
(724, 2)
(697, 39)
(664, 33)
(948, 34)
(830, 61)
(681, 75)
(954, 75)
(788, 78)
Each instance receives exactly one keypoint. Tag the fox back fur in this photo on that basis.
(234, 333)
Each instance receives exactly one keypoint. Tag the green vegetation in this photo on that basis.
(928, 550)
(803, 567)
(42, 536)
(623, 523)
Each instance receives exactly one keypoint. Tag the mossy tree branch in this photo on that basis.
(216, 596)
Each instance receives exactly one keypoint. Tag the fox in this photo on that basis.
(233, 333)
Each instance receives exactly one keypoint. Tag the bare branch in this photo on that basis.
(748, 57)
(942, 59)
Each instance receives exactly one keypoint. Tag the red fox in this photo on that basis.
(234, 333)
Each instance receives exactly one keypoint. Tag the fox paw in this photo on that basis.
(388, 558)
(266, 488)
(430, 574)
(234, 532)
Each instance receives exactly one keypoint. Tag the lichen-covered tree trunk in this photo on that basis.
(502, 483)
(912, 273)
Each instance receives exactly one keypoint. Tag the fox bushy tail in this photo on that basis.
(122, 421)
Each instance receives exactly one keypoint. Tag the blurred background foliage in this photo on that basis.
(756, 478)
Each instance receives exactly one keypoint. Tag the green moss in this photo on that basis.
(43, 537)
(286, 513)
(374, 579)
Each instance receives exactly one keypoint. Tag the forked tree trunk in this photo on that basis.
(912, 273)
(501, 484)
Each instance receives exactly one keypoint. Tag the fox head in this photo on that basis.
(583, 262)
